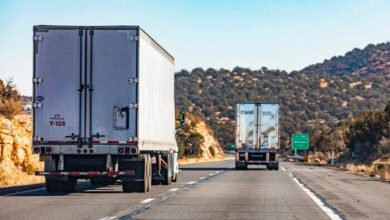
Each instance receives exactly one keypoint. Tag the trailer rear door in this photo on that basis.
(113, 82)
(246, 125)
(58, 74)
(268, 119)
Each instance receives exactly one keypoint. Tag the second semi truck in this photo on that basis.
(103, 107)
(257, 135)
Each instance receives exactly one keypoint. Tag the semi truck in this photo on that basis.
(257, 135)
(103, 107)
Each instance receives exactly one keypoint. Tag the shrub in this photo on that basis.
(10, 104)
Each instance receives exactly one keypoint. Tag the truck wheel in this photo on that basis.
(128, 186)
(168, 171)
(68, 186)
(276, 167)
(52, 185)
(146, 184)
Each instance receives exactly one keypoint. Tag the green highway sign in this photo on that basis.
(300, 141)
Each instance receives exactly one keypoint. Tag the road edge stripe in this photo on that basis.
(324, 207)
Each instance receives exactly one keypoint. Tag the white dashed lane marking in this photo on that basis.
(191, 182)
(147, 200)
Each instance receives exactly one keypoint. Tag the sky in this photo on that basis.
(287, 35)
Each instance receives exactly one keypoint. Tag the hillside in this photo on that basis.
(196, 140)
(316, 96)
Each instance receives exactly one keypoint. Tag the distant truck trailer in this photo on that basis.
(257, 135)
(103, 107)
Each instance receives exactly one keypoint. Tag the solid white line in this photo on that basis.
(147, 200)
(191, 182)
(173, 190)
(332, 215)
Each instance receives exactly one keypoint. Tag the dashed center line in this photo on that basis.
(173, 190)
(147, 200)
(191, 182)
(202, 178)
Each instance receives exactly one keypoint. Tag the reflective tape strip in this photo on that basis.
(114, 142)
(88, 173)
(163, 163)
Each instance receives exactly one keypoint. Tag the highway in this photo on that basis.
(216, 191)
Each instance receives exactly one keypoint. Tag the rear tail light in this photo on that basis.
(121, 150)
(48, 150)
(91, 151)
(133, 150)
(37, 150)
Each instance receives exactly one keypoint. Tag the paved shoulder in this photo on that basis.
(355, 197)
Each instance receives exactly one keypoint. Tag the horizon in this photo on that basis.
(285, 35)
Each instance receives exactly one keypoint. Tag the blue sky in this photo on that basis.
(286, 35)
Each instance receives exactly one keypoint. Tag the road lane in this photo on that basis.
(214, 191)
(247, 194)
(355, 197)
(92, 203)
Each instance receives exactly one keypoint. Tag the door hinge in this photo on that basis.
(37, 105)
(37, 80)
(133, 105)
(133, 80)
(38, 37)
(133, 38)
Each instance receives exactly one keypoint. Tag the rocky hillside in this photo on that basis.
(17, 163)
(196, 139)
(319, 95)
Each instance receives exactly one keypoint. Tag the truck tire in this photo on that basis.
(68, 186)
(128, 186)
(167, 173)
(241, 167)
(51, 185)
(144, 185)
(276, 166)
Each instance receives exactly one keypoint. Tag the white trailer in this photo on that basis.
(257, 135)
(103, 107)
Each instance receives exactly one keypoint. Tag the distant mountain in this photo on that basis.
(318, 95)
(373, 59)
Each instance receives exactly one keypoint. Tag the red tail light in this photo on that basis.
(133, 150)
(121, 150)
(37, 150)
(48, 150)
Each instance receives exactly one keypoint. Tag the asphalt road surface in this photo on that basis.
(215, 191)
